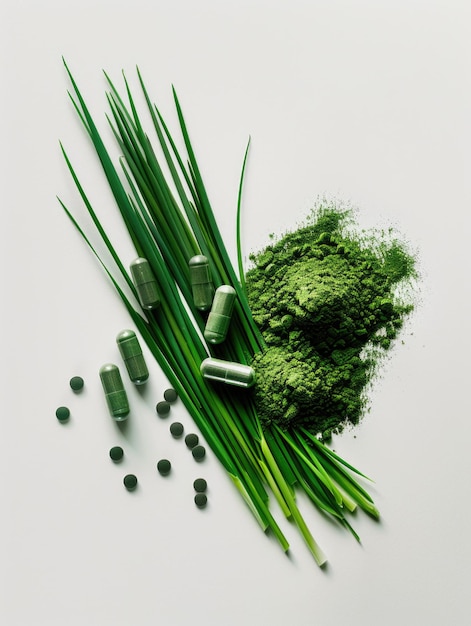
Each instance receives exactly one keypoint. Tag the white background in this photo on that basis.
(368, 102)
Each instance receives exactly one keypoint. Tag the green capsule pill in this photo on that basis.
(220, 315)
(115, 393)
(228, 372)
(145, 283)
(201, 282)
(133, 358)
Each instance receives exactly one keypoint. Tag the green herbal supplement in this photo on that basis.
(133, 358)
(116, 453)
(220, 315)
(62, 414)
(201, 500)
(200, 485)
(162, 408)
(228, 372)
(170, 395)
(191, 440)
(130, 481)
(76, 383)
(145, 283)
(164, 466)
(201, 282)
(329, 300)
(115, 393)
(198, 452)
(176, 429)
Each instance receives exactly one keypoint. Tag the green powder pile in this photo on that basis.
(329, 303)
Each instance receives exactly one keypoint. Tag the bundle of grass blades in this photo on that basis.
(170, 219)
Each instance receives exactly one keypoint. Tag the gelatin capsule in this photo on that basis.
(115, 393)
(228, 372)
(133, 358)
(219, 317)
(145, 283)
(201, 283)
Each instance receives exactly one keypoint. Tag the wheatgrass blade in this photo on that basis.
(174, 216)
(335, 467)
(331, 454)
(147, 170)
(313, 462)
(95, 220)
(351, 487)
(275, 489)
(285, 489)
(320, 495)
(323, 486)
(114, 181)
(214, 229)
(282, 460)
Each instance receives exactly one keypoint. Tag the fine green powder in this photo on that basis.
(329, 301)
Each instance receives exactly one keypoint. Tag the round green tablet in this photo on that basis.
(164, 466)
(116, 453)
(198, 452)
(130, 481)
(176, 429)
(76, 383)
(191, 440)
(201, 500)
(163, 408)
(170, 395)
(62, 414)
(200, 485)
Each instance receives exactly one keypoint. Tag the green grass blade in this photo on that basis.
(238, 235)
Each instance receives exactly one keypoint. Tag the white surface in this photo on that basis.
(366, 101)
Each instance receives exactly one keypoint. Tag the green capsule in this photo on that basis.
(228, 372)
(115, 393)
(145, 283)
(201, 283)
(219, 317)
(133, 358)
